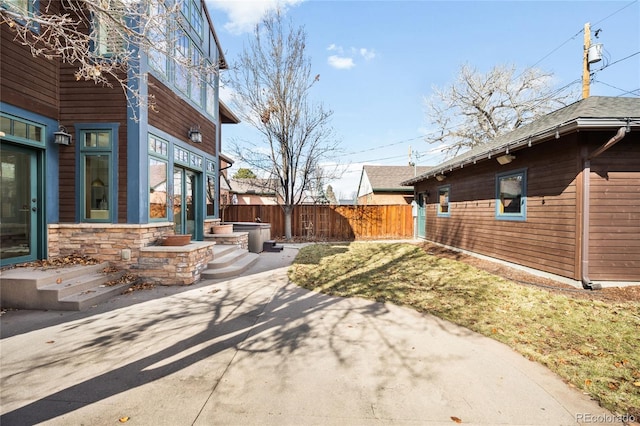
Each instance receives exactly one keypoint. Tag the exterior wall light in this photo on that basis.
(505, 159)
(440, 178)
(61, 137)
(194, 134)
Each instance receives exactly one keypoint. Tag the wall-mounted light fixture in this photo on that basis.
(505, 159)
(440, 178)
(61, 137)
(194, 134)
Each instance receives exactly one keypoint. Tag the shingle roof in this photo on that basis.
(389, 178)
(593, 112)
(253, 186)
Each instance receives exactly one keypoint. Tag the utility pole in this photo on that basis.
(586, 77)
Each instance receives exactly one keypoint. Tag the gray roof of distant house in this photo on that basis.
(594, 112)
(390, 178)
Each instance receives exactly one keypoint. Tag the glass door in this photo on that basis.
(184, 201)
(422, 217)
(20, 204)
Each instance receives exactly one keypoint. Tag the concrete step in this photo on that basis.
(225, 258)
(84, 300)
(230, 264)
(62, 288)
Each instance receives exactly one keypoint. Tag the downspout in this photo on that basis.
(586, 188)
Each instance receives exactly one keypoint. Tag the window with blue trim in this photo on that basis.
(444, 192)
(108, 30)
(25, 9)
(511, 195)
(158, 178)
(96, 156)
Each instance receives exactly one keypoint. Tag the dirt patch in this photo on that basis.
(612, 295)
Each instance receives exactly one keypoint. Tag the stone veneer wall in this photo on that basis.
(175, 265)
(118, 244)
(240, 239)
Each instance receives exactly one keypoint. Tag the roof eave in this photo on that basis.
(555, 132)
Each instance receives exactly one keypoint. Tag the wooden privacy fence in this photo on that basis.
(330, 223)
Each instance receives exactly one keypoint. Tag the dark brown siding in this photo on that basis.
(546, 240)
(86, 102)
(27, 82)
(173, 115)
(614, 239)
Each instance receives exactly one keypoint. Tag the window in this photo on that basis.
(182, 59)
(158, 38)
(19, 6)
(443, 201)
(158, 178)
(24, 131)
(108, 30)
(511, 195)
(195, 92)
(193, 14)
(211, 92)
(96, 160)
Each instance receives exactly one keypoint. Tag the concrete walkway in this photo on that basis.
(257, 350)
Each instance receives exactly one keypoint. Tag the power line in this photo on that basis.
(617, 11)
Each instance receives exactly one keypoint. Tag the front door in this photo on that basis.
(184, 201)
(422, 216)
(21, 206)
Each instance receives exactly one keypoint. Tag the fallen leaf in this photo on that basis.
(123, 419)
(637, 384)
(456, 419)
(51, 341)
(59, 280)
(612, 386)
(587, 382)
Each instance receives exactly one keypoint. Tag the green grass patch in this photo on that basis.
(593, 345)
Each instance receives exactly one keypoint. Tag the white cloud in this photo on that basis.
(367, 54)
(245, 14)
(345, 61)
(341, 62)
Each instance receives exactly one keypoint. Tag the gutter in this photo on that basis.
(586, 187)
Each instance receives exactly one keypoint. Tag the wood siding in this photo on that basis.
(27, 82)
(546, 240)
(331, 223)
(86, 102)
(175, 116)
(614, 225)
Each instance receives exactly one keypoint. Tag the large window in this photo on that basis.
(158, 179)
(193, 13)
(443, 201)
(96, 157)
(511, 195)
(109, 30)
(158, 37)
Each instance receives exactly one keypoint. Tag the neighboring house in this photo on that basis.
(253, 191)
(381, 185)
(559, 195)
(120, 184)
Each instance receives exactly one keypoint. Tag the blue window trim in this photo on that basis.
(80, 129)
(522, 215)
(33, 8)
(448, 189)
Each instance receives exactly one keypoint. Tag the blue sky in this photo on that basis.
(379, 60)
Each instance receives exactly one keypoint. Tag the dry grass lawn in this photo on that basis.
(593, 344)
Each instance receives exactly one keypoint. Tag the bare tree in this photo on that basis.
(477, 107)
(272, 84)
(104, 39)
